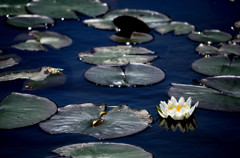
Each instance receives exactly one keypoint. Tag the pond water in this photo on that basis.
(217, 134)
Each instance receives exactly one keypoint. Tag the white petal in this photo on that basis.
(181, 101)
(193, 108)
(160, 112)
(189, 102)
(173, 100)
(178, 117)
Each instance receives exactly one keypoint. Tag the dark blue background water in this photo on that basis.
(218, 134)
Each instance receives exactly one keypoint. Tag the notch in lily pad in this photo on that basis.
(22, 110)
(53, 39)
(43, 77)
(109, 150)
(61, 9)
(210, 36)
(179, 28)
(29, 21)
(134, 75)
(217, 66)
(220, 93)
(229, 49)
(116, 55)
(79, 118)
(151, 18)
(12, 7)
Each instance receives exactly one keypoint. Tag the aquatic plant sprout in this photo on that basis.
(177, 110)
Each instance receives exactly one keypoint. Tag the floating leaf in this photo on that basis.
(208, 98)
(217, 66)
(62, 9)
(151, 18)
(21, 110)
(179, 28)
(136, 38)
(53, 39)
(108, 150)
(30, 21)
(189, 124)
(205, 49)
(212, 36)
(79, 118)
(116, 55)
(135, 74)
(8, 60)
(45, 76)
(12, 7)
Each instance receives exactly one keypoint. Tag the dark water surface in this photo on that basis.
(218, 134)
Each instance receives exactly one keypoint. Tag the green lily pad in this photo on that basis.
(107, 150)
(151, 18)
(136, 38)
(217, 66)
(8, 60)
(135, 75)
(179, 28)
(205, 49)
(63, 9)
(43, 77)
(21, 110)
(12, 7)
(208, 98)
(212, 36)
(30, 21)
(93, 120)
(52, 39)
(116, 55)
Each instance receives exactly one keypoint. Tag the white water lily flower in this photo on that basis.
(177, 110)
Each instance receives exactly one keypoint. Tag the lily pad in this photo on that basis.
(217, 66)
(208, 98)
(52, 39)
(108, 150)
(93, 120)
(116, 55)
(135, 75)
(12, 7)
(40, 78)
(63, 9)
(21, 110)
(205, 49)
(151, 18)
(136, 38)
(8, 60)
(212, 36)
(179, 28)
(30, 21)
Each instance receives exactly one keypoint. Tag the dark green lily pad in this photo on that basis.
(135, 75)
(89, 119)
(30, 21)
(212, 36)
(208, 98)
(179, 28)
(116, 55)
(21, 110)
(52, 39)
(43, 77)
(12, 7)
(136, 38)
(107, 150)
(63, 9)
(205, 49)
(217, 66)
(8, 60)
(186, 125)
(151, 18)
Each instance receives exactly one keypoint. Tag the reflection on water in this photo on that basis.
(183, 125)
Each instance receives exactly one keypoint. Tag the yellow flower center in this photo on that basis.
(178, 107)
